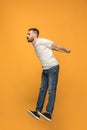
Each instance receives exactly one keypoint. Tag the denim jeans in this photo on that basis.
(48, 83)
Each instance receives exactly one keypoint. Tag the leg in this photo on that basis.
(42, 93)
(52, 85)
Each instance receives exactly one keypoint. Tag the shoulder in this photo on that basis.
(44, 40)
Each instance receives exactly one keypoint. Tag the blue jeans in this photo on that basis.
(49, 82)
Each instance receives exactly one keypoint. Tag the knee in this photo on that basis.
(51, 91)
(43, 88)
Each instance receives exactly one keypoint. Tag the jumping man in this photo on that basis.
(43, 48)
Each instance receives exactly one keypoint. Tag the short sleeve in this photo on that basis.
(47, 43)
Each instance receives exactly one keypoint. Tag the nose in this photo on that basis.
(27, 36)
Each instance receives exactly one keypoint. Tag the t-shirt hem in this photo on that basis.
(46, 68)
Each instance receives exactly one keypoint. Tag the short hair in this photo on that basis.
(35, 30)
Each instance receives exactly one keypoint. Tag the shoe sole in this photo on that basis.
(29, 112)
(44, 116)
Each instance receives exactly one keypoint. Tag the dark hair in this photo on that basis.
(35, 30)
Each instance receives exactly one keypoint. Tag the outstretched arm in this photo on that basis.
(57, 47)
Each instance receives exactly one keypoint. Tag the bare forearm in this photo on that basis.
(57, 47)
(62, 49)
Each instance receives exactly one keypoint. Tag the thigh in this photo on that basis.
(53, 78)
(44, 80)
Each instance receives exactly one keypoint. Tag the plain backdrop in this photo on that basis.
(65, 23)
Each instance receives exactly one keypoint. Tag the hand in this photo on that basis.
(68, 51)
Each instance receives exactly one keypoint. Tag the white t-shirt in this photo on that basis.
(44, 53)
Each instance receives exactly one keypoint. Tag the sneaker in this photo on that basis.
(34, 114)
(45, 115)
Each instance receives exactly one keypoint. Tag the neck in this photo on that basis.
(34, 41)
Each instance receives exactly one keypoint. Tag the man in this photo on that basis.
(43, 48)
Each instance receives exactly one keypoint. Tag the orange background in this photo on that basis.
(64, 22)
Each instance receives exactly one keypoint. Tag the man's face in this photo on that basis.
(30, 36)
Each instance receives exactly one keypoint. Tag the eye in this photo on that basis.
(28, 33)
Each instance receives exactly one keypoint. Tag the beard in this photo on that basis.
(31, 39)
